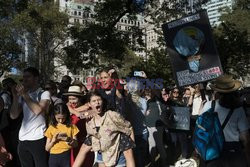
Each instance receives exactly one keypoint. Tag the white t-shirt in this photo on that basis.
(33, 126)
(197, 102)
(237, 123)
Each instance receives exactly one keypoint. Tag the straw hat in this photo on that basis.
(225, 84)
(74, 91)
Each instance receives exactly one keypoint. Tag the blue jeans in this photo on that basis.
(120, 163)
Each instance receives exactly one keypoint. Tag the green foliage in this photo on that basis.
(9, 48)
(110, 44)
(157, 66)
(130, 60)
(101, 40)
(233, 39)
(46, 29)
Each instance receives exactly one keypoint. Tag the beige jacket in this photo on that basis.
(107, 140)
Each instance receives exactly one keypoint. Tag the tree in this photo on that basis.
(45, 27)
(233, 39)
(9, 48)
(102, 38)
(158, 61)
(157, 66)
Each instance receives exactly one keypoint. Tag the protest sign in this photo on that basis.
(192, 49)
(181, 119)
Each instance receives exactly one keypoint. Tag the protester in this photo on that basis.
(165, 94)
(61, 137)
(52, 88)
(108, 135)
(245, 97)
(136, 107)
(83, 88)
(179, 136)
(77, 109)
(5, 156)
(188, 96)
(30, 99)
(197, 104)
(108, 90)
(10, 128)
(236, 130)
(63, 87)
(155, 126)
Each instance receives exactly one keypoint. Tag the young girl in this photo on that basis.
(77, 110)
(108, 135)
(61, 137)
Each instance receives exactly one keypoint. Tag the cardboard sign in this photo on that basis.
(181, 120)
(192, 50)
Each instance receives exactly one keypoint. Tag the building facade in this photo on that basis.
(215, 9)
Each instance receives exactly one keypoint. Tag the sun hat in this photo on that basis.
(225, 84)
(74, 91)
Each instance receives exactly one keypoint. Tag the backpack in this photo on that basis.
(208, 138)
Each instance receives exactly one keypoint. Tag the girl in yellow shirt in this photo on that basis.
(61, 137)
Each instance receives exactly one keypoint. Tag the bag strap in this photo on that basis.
(213, 105)
(39, 96)
(227, 118)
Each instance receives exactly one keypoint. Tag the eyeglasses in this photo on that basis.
(175, 91)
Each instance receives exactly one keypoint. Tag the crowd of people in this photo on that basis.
(69, 124)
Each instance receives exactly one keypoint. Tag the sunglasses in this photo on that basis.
(175, 91)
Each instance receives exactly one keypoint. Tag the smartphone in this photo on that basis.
(138, 74)
(62, 135)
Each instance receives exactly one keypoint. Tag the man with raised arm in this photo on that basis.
(30, 99)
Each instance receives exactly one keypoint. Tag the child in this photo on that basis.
(108, 135)
(61, 137)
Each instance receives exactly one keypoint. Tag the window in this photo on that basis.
(85, 15)
(79, 13)
(122, 20)
(75, 13)
(125, 21)
(79, 7)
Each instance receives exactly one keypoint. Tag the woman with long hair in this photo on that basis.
(109, 135)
